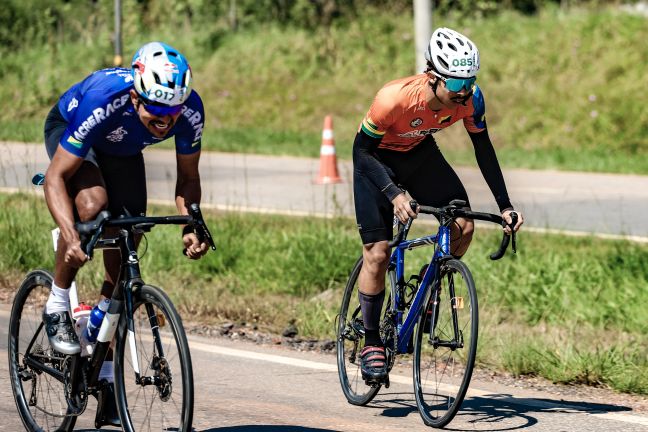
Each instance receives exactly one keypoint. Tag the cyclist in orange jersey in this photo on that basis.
(394, 149)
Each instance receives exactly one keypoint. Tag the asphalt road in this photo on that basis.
(582, 202)
(243, 387)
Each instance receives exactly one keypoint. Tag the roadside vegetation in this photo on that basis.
(568, 309)
(562, 84)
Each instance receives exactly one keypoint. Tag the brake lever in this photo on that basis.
(199, 227)
(514, 219)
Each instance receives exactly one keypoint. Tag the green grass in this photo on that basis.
(565, 308)
(562, 87)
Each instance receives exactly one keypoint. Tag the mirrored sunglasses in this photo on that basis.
(161, 110)
(456, 84)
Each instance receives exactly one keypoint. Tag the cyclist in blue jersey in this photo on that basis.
(94, 137)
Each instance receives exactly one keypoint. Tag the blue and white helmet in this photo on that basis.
(161, 74)
(452, 54)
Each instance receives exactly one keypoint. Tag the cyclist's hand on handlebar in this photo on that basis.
(194, 249)
(402, 208)
(506, 215)
(74, 255)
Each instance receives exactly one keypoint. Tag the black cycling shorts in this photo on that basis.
(422, 171)
(124, 176)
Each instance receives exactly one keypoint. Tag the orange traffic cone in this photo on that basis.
(328, 172)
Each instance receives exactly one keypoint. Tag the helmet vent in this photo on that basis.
(444, 50)
(162, 71)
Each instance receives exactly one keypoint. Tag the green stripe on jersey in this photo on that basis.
(371, 129)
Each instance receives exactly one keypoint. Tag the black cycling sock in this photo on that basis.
(371, 306)
(372, 338)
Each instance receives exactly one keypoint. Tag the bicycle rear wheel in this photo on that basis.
(350, 341)
(444, 359)
(40, 397)
(162, 400)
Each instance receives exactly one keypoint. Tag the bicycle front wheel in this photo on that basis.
(153, 373)
(350, 341)
(446, 345)
(40, 397)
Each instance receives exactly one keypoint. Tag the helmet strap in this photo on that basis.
(434, 86)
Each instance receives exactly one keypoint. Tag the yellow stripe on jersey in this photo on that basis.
(371, 129)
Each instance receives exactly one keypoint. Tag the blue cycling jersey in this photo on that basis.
(100, 115)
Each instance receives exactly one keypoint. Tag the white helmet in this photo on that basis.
(452, 54)
(161, 74)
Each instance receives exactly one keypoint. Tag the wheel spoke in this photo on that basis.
(349, 339)
(442, 374)
(50, 409)
(157, 405)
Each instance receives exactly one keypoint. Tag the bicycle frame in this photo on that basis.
(130, 280)
(441, 239)
(121, 299)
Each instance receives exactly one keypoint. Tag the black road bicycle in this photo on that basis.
(152, 364)
(433, 315)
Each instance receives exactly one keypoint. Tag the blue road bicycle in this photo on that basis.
(434, 315)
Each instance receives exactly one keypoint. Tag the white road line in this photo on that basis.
(407, 380)
(472, 392)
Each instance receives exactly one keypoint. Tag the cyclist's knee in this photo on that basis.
(463, 229)
(89, 205)
(376, 257)
(467, 231)
(461, 235)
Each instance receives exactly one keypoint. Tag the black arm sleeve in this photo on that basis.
(490, 168)
(366, 163)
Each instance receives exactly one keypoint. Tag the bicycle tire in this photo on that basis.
(162, 405)
(350, 338)
(24, 323)
(441, 388)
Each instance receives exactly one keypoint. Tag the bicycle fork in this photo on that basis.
(455, 304)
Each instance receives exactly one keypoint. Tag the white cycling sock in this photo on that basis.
(59, 300)
(106, 371)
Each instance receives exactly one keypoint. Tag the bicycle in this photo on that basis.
(433, 315)
(51, 390)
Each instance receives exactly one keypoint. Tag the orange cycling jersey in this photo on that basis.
(401, 116)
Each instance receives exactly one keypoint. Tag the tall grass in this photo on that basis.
(569, 309)
(561, 86)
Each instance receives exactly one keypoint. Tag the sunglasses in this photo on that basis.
(456, 84)
(160, 110)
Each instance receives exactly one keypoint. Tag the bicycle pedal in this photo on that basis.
(373, 382)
